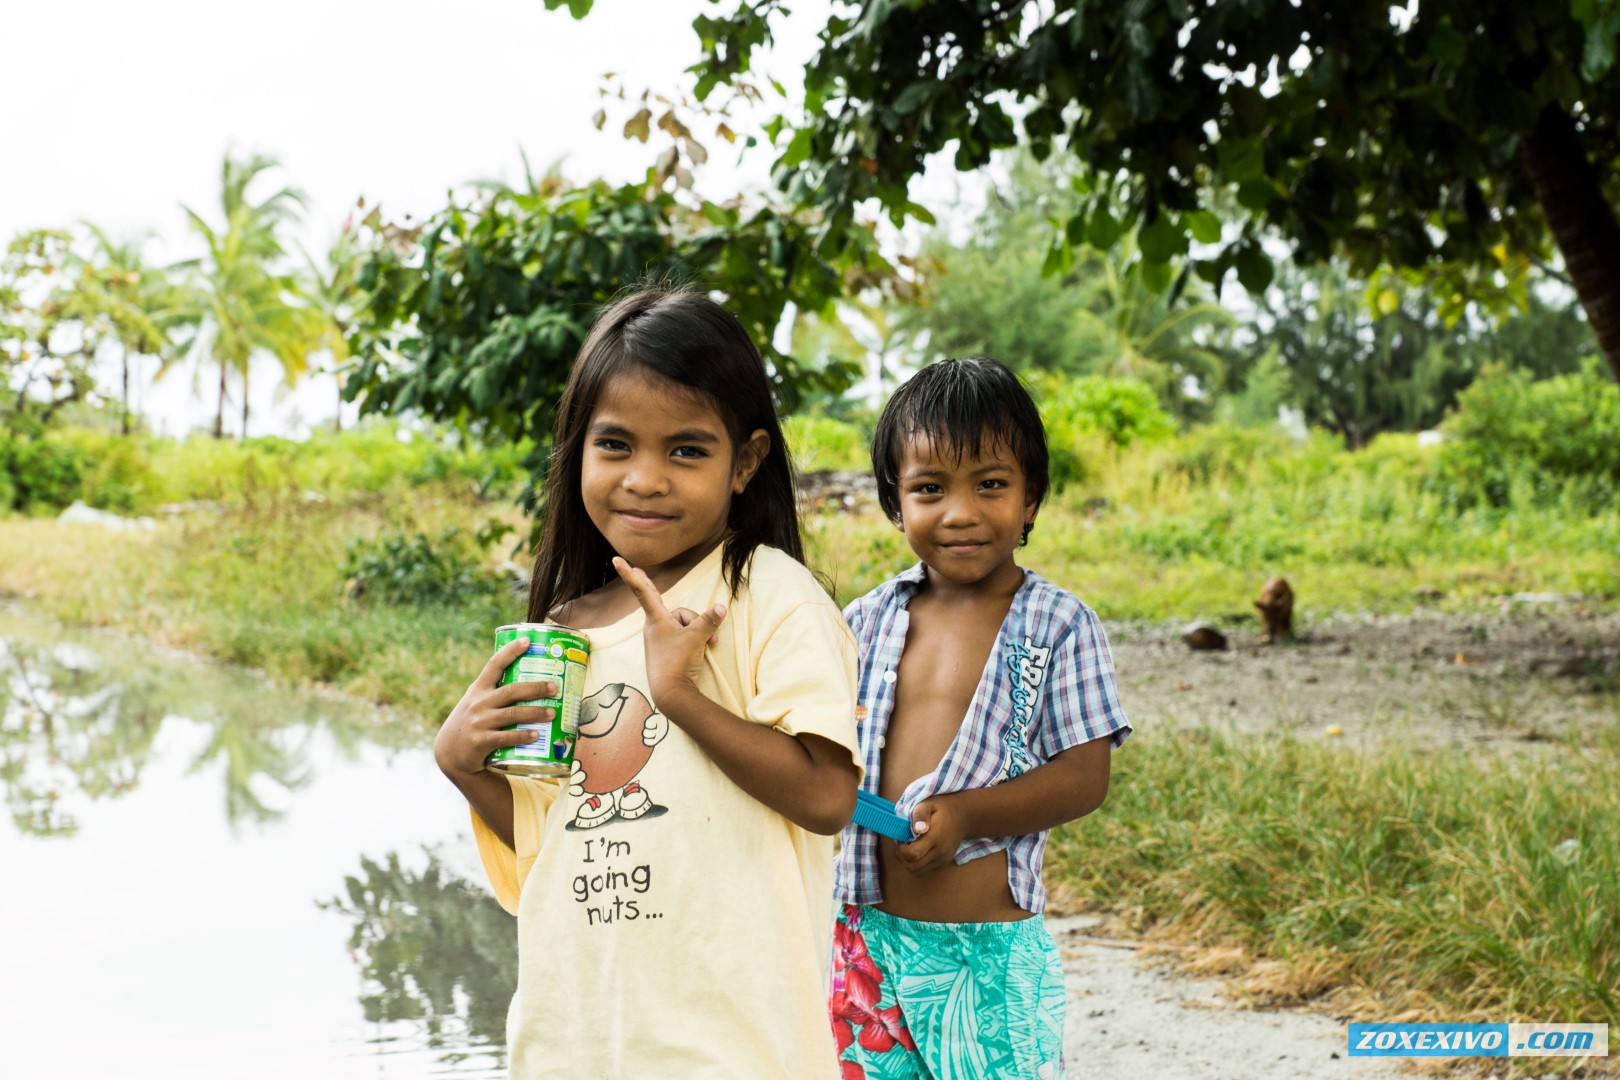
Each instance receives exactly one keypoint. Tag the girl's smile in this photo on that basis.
(659, 471)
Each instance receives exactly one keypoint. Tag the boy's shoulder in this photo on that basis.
(892, 593)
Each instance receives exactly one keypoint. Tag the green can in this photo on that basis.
(556, 654)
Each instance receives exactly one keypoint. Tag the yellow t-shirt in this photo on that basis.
(670, 925)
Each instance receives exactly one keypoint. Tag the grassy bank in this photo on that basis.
(1465, 889)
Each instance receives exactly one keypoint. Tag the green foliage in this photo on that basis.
(478, 323)
(820, 442)
(38, 476)
(1363, 358)
(1121, 410)
(1464, 134)
(450, 568)
(139, 473)
(1512, 438)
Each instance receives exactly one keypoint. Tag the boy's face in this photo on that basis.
(963, 517)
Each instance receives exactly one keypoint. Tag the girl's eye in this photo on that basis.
(690, 452)
(927, 489)
(612, 446)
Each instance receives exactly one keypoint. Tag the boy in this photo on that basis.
(989, 715)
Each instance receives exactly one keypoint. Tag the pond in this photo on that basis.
(206, 875)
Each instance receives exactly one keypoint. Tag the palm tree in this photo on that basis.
(143, 305)
(247, 305)
(330, 291)
(1147, 335)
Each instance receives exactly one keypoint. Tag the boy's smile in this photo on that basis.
(964, 516)
(658, 473)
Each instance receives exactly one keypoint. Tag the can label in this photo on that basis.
(556, 654)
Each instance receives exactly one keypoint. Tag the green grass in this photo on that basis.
(261, 584)
(1433, 882)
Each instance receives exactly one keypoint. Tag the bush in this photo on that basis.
(1513, 439)
(820, 442)
(448, 568)
(1077, 410)
(39, 475)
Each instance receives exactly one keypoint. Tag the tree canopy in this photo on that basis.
(475, 317)
(1462, 138)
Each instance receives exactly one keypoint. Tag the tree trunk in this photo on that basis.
(125, 351)
(219, 415)
(1583, 224)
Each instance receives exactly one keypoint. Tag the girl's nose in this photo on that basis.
(645, 478)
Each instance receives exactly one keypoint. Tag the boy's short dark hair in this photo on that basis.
(960, 405)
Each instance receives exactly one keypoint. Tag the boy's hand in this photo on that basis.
(939, 829)
(675, 640)
(474, 728)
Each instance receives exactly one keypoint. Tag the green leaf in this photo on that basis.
(798, 150)
(1205, 226)
(1598, 56)
(1256, 194)
(1156, 276)
(1161, 239)
(916, 96)
(1254, 268)
(1240, 159)
(1104, 231)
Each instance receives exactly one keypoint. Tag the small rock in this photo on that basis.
(1204, 638)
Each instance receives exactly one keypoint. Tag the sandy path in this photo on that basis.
(1128, 1021)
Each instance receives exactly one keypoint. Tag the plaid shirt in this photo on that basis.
(1048, 685)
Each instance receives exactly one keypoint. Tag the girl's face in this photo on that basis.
(659, 471)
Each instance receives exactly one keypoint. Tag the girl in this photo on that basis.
(674, 903)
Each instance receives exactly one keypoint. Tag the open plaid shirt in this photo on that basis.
(1048, 685)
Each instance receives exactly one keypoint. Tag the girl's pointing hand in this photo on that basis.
(675, 639)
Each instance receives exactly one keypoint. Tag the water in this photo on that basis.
(203, 875)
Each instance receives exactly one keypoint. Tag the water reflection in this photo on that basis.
(226, 815)
(434, 950)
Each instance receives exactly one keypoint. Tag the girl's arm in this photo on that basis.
(807, 779)
(476, 726)
(1069, 786)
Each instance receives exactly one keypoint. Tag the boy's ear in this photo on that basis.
(750, 456)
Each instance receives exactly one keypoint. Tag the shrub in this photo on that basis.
(39, 475)
(1077, 410)
(820, 442)
(418, 569)
(1512, 438)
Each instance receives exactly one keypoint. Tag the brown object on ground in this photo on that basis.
(1203, 638)
(1276, 606)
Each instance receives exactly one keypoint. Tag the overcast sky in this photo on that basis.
(119, 113)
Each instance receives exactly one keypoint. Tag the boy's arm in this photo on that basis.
(1070, 785)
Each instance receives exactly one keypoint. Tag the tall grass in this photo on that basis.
(1467, 889)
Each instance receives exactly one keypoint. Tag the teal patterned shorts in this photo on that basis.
(945, 1001)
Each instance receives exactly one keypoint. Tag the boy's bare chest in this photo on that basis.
(939, 672)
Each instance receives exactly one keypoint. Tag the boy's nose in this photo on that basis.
(960, 512)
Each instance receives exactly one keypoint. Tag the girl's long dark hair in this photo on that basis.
(689, 339)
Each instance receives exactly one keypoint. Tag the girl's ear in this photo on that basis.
(750, 456)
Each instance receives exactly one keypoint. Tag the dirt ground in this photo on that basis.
(1530, 674)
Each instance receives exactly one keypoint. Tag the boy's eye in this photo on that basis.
(994, 483)
(927, 489)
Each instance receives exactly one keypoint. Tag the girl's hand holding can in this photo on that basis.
(478, 723)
